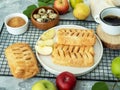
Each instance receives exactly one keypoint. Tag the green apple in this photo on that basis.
(73, 3)
(44, 85)
(81, 11)
(115, 67)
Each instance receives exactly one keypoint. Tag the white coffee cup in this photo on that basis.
(109, 27)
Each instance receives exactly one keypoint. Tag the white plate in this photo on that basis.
(46, 61)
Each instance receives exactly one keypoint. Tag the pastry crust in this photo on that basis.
(74, 47)
(21, 60)
(71, 55)
(72, 36)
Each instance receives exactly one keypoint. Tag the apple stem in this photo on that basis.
(60, 1)
(66, 79)
(114, 85)
(118, 80)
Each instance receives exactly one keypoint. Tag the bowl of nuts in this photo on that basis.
(44, 18)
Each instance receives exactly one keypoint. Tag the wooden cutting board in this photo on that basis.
(110, 41)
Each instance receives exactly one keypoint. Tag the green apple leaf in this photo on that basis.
(44, 1)
(29, 10)
(40, 0)
(51, 2)
(42, 4)
(100, 86)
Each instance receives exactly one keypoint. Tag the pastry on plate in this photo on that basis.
(70, 36)
(73, 55)
(21, 60)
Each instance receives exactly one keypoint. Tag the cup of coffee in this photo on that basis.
(109, 20)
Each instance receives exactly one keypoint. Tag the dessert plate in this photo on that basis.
(46, 61)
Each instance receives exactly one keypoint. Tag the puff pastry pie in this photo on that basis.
(21, 60)
(74, 47)
(71, 55)
(70, 36)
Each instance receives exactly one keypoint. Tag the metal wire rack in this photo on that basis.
(101, 72)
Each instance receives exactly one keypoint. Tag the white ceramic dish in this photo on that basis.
(109, 27)
(46, 61)
(17, 30)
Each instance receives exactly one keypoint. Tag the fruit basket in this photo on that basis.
(101, 72)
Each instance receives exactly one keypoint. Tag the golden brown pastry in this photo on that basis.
(73, 55)
(72, 36)
(21, 60)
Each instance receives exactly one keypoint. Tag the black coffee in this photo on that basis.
(111, 19)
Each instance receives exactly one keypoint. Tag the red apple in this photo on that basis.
(62, 6)
(65, 81)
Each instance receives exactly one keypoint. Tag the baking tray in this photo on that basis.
(102, 72)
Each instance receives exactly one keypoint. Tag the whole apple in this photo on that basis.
(62, 6)
(73, 3)
(65, 81)
(115, 67)
(44, 85)
(81, 11)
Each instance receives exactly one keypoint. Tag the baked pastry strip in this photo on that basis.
(21, 60)
(70, 36)
(71, 55)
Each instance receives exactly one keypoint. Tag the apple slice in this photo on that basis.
(49, 34)
(66, 81)
(48, 42)
(45, 50)
(44, 85)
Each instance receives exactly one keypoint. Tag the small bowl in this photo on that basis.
(19, 29)
(44, 25)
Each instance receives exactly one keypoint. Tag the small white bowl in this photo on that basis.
(16, 30)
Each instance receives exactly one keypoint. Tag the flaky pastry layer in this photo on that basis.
(70, 36)
(21, 60)
(73, 55)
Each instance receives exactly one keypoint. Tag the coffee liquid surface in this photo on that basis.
(111, 19)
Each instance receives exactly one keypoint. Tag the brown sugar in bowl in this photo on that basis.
(16, 23)
(44, 25)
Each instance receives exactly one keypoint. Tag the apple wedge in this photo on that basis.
(45, 50)
(49, 34)
(48, 42)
